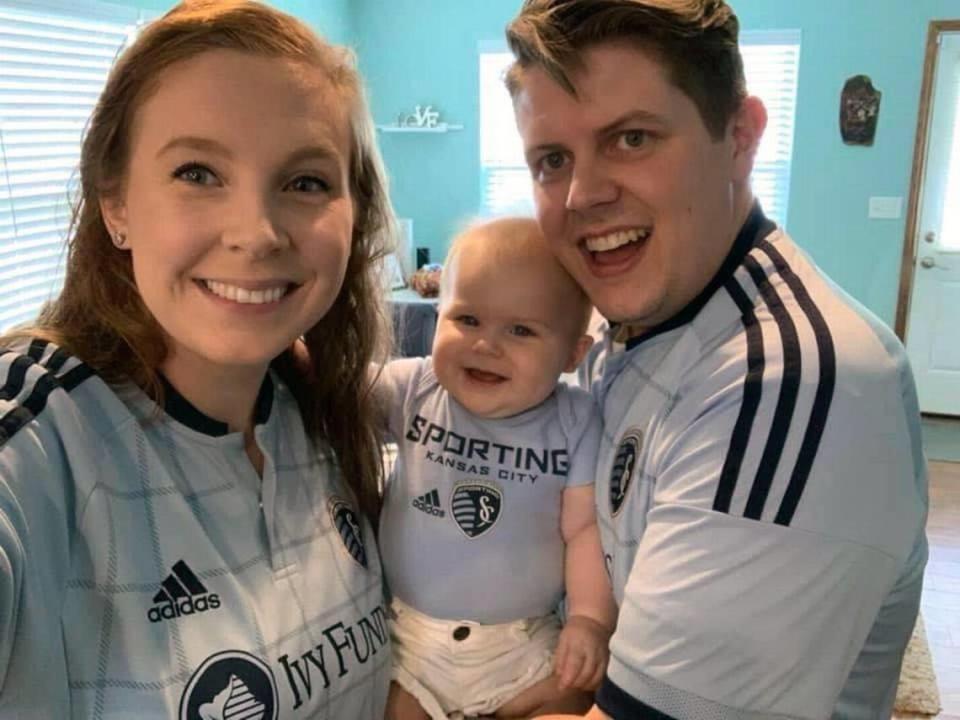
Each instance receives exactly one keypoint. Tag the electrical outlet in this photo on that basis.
(885, 208)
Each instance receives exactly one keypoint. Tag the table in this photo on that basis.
(414, 322)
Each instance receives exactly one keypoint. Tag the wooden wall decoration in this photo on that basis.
(859, 111)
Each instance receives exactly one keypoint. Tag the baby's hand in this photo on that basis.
(582, 653)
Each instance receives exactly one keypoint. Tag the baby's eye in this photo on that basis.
(308, 184)
(196, 174)
(469, 320)
(522, 331)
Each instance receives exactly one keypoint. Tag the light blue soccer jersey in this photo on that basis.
(762, 498)
(146, 571)
(470, 528)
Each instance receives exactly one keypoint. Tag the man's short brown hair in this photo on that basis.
(696, 40)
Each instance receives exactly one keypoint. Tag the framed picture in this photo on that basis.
(393, 272)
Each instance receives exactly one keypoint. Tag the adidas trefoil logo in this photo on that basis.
(429, 503)
(181, 593)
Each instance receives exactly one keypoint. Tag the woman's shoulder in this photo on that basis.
(44, 387)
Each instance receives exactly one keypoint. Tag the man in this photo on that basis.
(761, 489)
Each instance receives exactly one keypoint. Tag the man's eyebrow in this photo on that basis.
(631, 116)
(545, 149)
(625, 119)
(190, 142)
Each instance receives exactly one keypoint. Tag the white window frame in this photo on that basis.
(506, 186)
(54, 60)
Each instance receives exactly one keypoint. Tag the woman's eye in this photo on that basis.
(195, 174)
(633, 139)
(308, 184)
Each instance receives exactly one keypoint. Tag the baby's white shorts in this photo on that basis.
(461, 668)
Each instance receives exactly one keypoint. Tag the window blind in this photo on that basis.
(771, 63)
(53, 65)
(505, 178)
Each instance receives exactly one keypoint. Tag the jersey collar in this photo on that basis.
(756, 227)
(184, 412)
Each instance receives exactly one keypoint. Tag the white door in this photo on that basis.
(933, 324)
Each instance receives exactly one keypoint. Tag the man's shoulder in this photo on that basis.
(779, 305)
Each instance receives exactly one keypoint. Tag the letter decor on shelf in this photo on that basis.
(424, 119)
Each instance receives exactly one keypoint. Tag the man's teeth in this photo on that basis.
(616, 239)
(242, 295)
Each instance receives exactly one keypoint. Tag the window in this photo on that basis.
(771, 61)
(950, 230)
(505, 178)
(53, 64)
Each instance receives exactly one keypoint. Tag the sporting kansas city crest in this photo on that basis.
(476, 507)
(230, 685)
(347, 525)
(624, 466)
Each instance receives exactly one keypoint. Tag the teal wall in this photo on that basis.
(330, 18)
(425, 51)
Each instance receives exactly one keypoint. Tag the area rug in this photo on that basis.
(941, 438)
(917, 694)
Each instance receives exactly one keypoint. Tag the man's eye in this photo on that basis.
(196, 174)
(553, 161)
(633, 139)
(522, 331)
(308, 184)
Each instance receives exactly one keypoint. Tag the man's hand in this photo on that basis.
(582, 653)
(594, 714)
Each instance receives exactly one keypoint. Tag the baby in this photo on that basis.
(488, 515)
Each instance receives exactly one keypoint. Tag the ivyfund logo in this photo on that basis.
(181, 593)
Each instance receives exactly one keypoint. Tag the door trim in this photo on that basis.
(916, 177)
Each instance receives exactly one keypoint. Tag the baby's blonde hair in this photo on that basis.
(515, 240)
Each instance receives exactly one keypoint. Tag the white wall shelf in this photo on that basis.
(438, 128)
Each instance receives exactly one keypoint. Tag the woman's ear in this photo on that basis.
(114, 213)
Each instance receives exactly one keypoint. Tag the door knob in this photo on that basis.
(928, 262)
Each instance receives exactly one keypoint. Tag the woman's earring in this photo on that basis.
(119, 239)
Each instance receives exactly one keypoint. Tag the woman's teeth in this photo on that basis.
(242, 295)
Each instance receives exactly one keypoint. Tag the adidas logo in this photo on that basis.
(181, 593)
(429, 503)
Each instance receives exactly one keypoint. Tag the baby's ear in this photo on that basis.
(583, 344)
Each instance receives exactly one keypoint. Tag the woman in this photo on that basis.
(183, 501)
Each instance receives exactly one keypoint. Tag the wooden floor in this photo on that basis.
(941, 590)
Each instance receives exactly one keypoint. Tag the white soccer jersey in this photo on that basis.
(146, 571)
(762, 499)
(470, 528)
